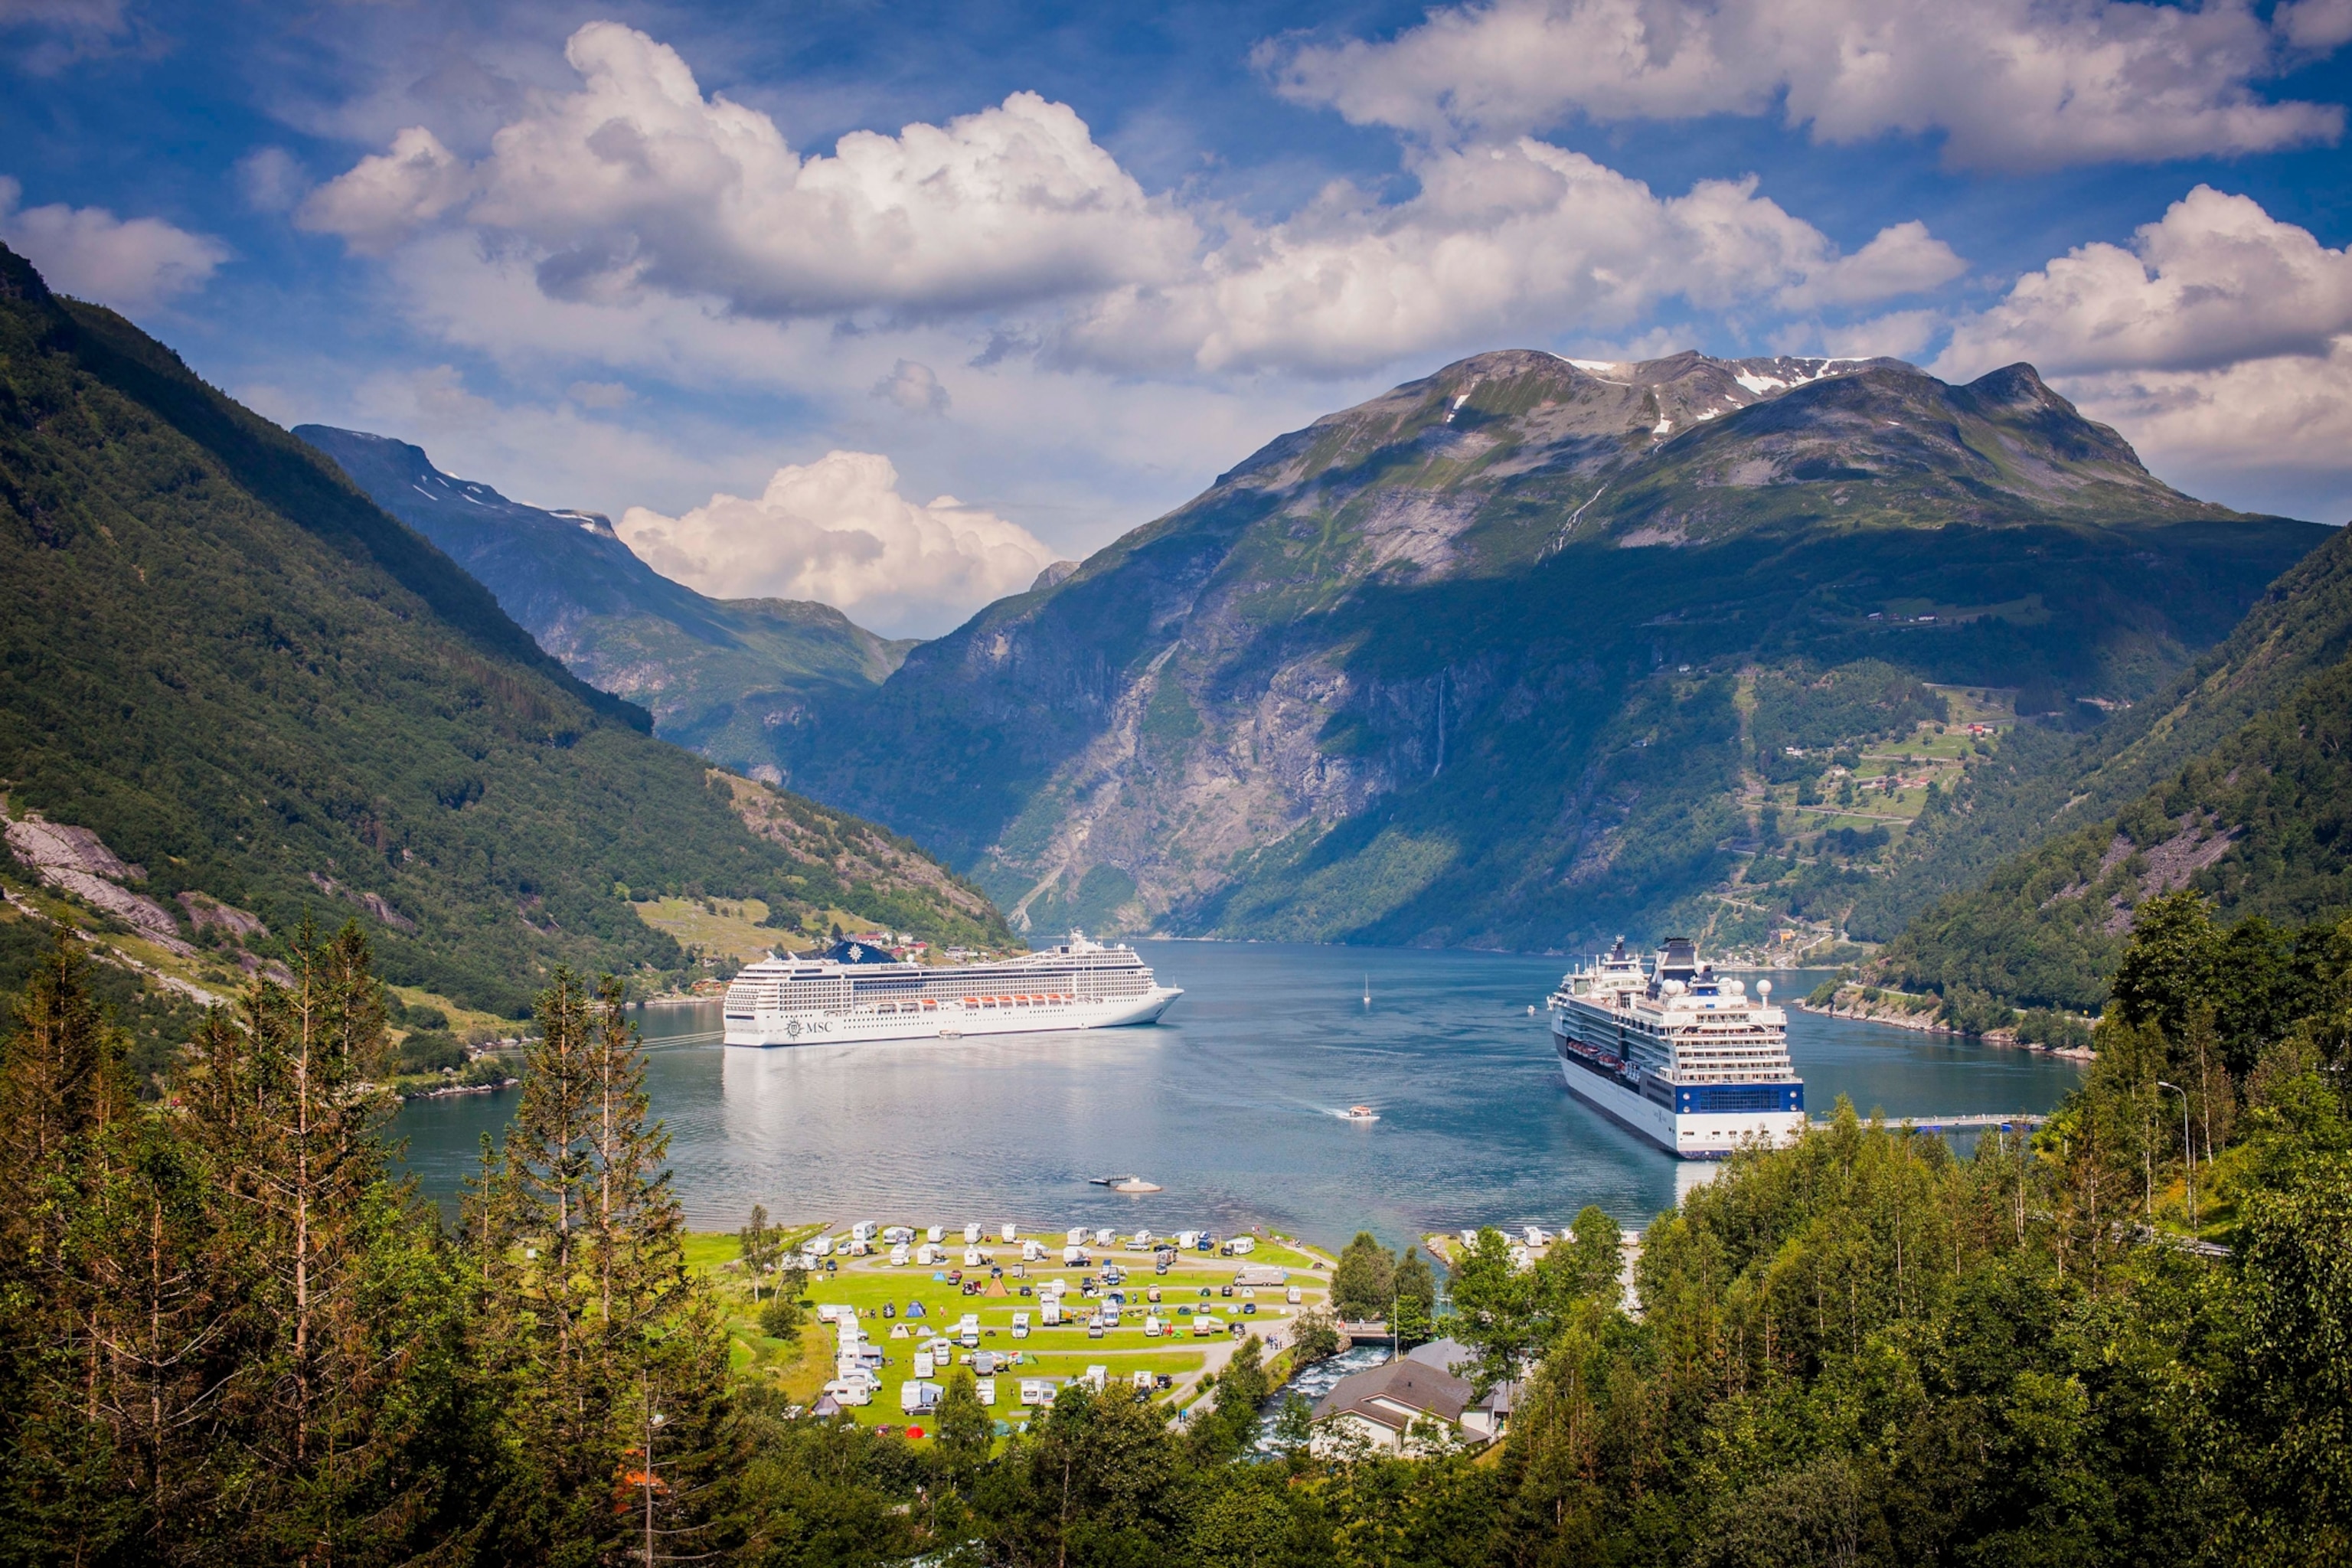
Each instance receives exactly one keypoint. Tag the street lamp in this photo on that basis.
(2187, 1149)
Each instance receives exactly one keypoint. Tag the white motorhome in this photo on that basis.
(1021, 1325)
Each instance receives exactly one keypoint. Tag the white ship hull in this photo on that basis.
(858, 993)
(947, 1022)
(1689, 1136)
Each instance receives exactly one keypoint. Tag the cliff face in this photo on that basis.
(1475, 661)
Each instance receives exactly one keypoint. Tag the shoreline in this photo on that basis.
(1999, 1040)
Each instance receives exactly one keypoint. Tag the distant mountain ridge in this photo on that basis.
(1478, 662)
(714, 673)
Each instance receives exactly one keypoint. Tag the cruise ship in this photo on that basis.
(853, 992)
(1686, 1059)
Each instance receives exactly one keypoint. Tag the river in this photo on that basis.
(1229, 1105)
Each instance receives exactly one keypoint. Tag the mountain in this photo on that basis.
(2237, 782)
(1521, 654)
(715, 673)
(254, 691)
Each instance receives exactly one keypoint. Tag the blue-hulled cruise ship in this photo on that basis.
(1669, 1049)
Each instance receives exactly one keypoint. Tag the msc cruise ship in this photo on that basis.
(853, 991)
(1687, 1060)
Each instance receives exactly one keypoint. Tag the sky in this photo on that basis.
(891, 305)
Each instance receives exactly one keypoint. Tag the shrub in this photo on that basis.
(782, 1318)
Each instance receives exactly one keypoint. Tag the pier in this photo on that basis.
(1966, 1118)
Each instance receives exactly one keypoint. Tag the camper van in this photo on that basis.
(1009, 1233)
(1244, 1246)
(916, 1396)
(971, 1235)
(1106, 1237)
(851, 1391)
(864, 1230)
(1021, 1324)
(899, 1256)
(1032, 1251)
(972, 1258)
(968, 1331)
(984, 1390)
(936, 1235)
(1072, 1256)
(1049, 1311)
(1038, 1390)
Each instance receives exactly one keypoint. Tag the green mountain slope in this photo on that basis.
(715, 673)
(2237, 783)
(251, 681)
(1515, 655)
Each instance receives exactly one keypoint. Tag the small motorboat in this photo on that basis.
(1108, 1181)
(1360, 1113)
(1134, 1184)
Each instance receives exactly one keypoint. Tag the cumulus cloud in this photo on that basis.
(2215, 281)
(1499, 240)
(637, 186)
(914, 387)
(132, 264)
(637, 181)
(2008, 83)
(837, 530)
(382, 200)
(2220, 341)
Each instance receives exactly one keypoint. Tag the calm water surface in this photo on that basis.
(1229, 1105)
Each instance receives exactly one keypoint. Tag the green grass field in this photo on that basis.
(867, 1284)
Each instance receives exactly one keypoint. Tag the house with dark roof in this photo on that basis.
(1487, 1416)
(1384, 1405)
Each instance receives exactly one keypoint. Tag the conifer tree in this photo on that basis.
(610, 1363)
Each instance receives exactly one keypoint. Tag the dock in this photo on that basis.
(2004, 1120)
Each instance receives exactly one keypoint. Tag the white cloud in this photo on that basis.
(914, 387)
(2010, 83)
(132, 264)
(272, 180)
(2215, 281)
(2219, 343)
(1518, 238)
(637, 181)
(2318, 25)
(1901, 259)
(598, 394)
(1898, 334)
(382, 200)
(837, 530)
(637, 188)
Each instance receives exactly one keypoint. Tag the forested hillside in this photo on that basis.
(234, 1337)
(2250, 806)
(1523, 654)
(258, 687)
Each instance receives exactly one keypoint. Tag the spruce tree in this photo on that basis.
(609, 1364)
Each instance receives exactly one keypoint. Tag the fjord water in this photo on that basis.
(1231, 1105)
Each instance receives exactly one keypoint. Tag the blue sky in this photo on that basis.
(888, 304)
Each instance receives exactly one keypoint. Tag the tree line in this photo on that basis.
(232, 1334)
